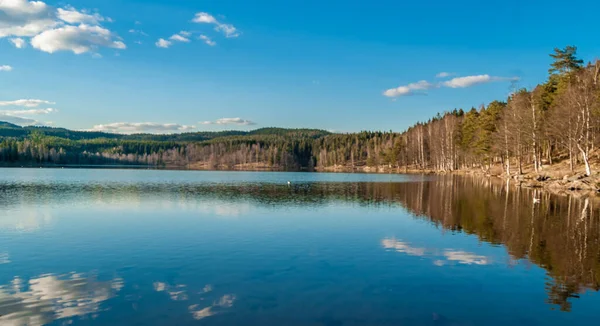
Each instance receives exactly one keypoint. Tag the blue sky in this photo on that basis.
(319, 64)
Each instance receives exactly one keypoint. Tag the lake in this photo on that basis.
(147, 247)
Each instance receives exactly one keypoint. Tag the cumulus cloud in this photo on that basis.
(207, 40)
(73, 16)
(444, 74)
(203, 17)
(179, 38)
(409, 89)
(26, 103)
(227, 29)
(78, 39)
(24, 18)
(230, 121)
(6, 68)
(18, 42)
(162, 43)
(55, 29)
(141, 127)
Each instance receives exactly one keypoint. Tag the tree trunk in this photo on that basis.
(571, 157)
(586, 161)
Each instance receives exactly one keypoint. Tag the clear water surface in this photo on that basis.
(147, 247)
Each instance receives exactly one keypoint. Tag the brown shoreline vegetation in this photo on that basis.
(557, 178)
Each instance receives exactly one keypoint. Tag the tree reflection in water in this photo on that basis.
(559, 233)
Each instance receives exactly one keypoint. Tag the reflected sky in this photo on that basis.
(168, 247)
(440, 257)
(44, 299)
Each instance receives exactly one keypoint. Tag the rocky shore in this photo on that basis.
(576, 182)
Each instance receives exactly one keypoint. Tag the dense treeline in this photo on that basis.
(559, 119)
(555, 121)
(288, 149)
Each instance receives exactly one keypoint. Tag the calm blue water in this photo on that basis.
(140, 247)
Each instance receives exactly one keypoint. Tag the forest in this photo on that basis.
(556, 121)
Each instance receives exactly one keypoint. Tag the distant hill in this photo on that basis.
(15, 131)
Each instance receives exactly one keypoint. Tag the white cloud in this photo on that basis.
(78, 39)
(468, 81)
(409, 89)
(6, 68)
(227, 29)
(458, 82)
(18, 42)
(207, 40)
(26, 103)
(185, 33)
(52, 29)
(444, 74)
(179, 38)
(73, 16)
(25, 18)
(29, 112)
(206, 18)
(141, 127)
(230, 121)
(203, 17)
(162, 43)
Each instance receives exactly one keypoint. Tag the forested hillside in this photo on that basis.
(558, 120)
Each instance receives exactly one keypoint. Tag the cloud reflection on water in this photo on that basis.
(4, 258)
(217, 307)
(448, 256)
(47, 298)
(24, 220)
(177, 293)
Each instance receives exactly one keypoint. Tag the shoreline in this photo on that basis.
(556, 181)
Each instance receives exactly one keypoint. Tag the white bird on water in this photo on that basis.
(536, 200)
